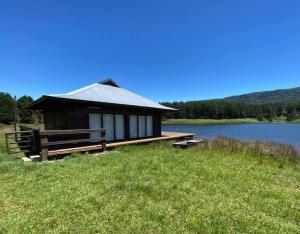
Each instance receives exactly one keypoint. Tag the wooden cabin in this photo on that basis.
(124, 114)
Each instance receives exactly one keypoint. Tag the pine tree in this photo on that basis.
(26, 116)
(7, 108)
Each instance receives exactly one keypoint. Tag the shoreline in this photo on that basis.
(223, 121)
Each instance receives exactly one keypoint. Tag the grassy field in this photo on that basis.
(219, 121)
(151, 189)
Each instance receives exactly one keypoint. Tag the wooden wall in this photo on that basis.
(76, 115)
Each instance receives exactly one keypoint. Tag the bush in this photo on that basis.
(260, 117)
(257, 148)
(26, 116)
(291, 117)
(6, 108)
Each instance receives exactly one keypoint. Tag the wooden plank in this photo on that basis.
(18, 132)
(74, 150)
(166, 136)
(19, 147)
(187, 143)
(67, 132)
(19, 137)
(24, 141)
(17, 142)
(24, 137)
(68, 142)
(20, 151)
(25, 128)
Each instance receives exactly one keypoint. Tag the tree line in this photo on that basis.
(211, 109)
(9, 108)
(221, 109)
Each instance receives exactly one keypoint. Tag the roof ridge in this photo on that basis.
(140, 96)
(81, 89)
(110, 82)
(110, 94)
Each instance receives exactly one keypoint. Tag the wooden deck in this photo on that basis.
(165, 136)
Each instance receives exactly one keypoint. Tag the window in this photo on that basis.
(108, 124)
(133, 126)
(149, 126)
(119, 123)
(142, 126)
(94, 123)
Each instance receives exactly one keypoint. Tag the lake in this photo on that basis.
(282, 133)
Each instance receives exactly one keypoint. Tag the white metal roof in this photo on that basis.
(104, 93)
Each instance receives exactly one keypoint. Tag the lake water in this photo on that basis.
(282, 133)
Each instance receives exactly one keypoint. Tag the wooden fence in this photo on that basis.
(45, 143)
(19, 142)
(33, 141)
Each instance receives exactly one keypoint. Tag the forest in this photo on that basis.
(211, 109)
(226, 109)
(8, 106)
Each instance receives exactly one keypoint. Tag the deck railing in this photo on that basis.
(45, 143)
(19, 142)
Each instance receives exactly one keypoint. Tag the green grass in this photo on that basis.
(296, 121)
(220, 121)
(151, 189)
(10, 127)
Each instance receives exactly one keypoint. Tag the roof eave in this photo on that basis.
(47, 97)
(36, 102)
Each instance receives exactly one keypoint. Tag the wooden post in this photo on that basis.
(103, 138)
(33, 132)
(44, 148)
(15, 115)
(104, 145)
(6, 139)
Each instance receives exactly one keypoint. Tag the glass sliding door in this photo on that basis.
(133, 126)
(142, 126)
(94, 123)
(119, 123)
(108, 124)
(149, 120)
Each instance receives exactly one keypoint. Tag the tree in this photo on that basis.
(260, 117)
(291, 117)
(7, 108)
(291, 108)
(26, 116)
(217, 109)
(269, 112)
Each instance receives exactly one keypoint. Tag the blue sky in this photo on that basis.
(164, 50)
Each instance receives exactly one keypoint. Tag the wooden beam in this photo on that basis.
(74, 150)
(69, 142)
(19, 132)
(166, 136)
(67, 132)
(104, 145)
(44, 149)
(15, 115)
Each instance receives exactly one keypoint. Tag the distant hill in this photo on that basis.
(280, 95)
